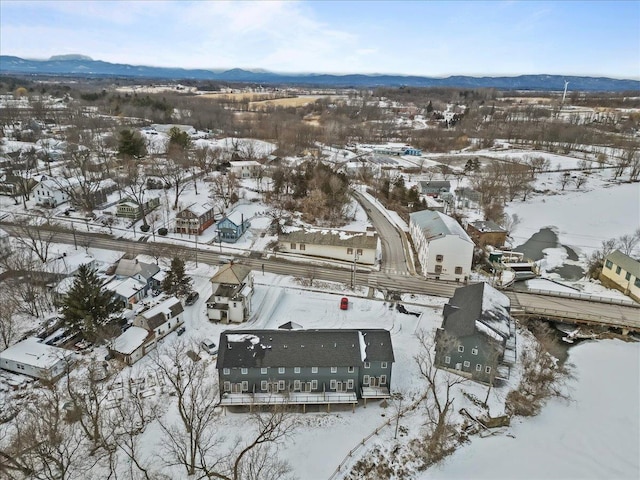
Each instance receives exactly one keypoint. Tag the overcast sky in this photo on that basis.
(415, 38)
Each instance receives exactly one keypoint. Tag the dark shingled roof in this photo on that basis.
(334, 238)
(301, 348)
(466, 306)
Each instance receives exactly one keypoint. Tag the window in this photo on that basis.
(293, 246)
(302, 246)
(383, 379)
(439, 258)
(478, 367)
(350, 384)
(359, 252)
(226, 371)
(458, 270)
(637, 282)
(244, 371)
(226, 386)
(334, 369)
(438, 269)
(461, 348)
(296, 369)
(263, 385)
(466, 364)
(314, 369)
(367, 365)
(351, 369)
(332, 385)
(618, 270)
(447, 360)
(314, 384)
(609, 264)
(487, 369)
(383, 365)
(280, 369)
(365, 380)
(474, 351)
(280, 384)
(349, 251)
(627, 276)
(296, 384)
(263, 371)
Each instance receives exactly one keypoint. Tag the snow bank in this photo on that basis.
(594, 436)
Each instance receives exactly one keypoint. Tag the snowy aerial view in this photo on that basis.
(231, 250)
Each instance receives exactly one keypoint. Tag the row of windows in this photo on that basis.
(627, 276)
(467, 364)
(474, 351)
(438, 269)
(298, 385)
(282, 370)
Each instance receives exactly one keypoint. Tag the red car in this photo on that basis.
(344, 303)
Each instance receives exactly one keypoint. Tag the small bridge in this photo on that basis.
(577, 309)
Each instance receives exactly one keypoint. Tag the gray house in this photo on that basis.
(477, 337)
(304, 367)
(435, 187)
(143, 272)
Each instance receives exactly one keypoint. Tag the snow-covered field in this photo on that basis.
(581, 218)
(596, 435)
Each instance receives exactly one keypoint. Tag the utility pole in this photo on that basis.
(355, 268)
(196, 250)
(75, 242)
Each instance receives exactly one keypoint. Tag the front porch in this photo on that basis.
(289, 398)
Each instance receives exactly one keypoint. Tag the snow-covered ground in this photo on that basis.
(596, 435)
(582, 218)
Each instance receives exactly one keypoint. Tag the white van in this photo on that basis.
(209, 346)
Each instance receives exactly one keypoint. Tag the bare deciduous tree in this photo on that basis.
(439, 406)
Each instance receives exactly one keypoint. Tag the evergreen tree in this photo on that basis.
(179, 138)
(429, 107)
(176, 281)
(131, 144)
(86, 306)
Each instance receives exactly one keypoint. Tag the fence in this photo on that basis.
(362, 442)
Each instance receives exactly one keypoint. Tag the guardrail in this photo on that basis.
(581, 296)
(578, 317)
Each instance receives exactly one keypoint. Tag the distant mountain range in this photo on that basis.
(82, 66)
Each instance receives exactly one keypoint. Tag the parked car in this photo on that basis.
(191, 298)
(344, 303)
(180, 330)
(209, 346)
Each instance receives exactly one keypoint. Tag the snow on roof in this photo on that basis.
(435, 224)
(363, 346)
(162, 307)
(492, 299)
(126, 287)
(68, 264)
(244, 163)
(32, 352)
(129, 341)
(242, 337)
(486, 226)
(198, 209)
(481, 327)
(331, 237)
(237, 217)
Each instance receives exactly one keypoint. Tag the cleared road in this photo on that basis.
(395, 251)
(552, 306)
